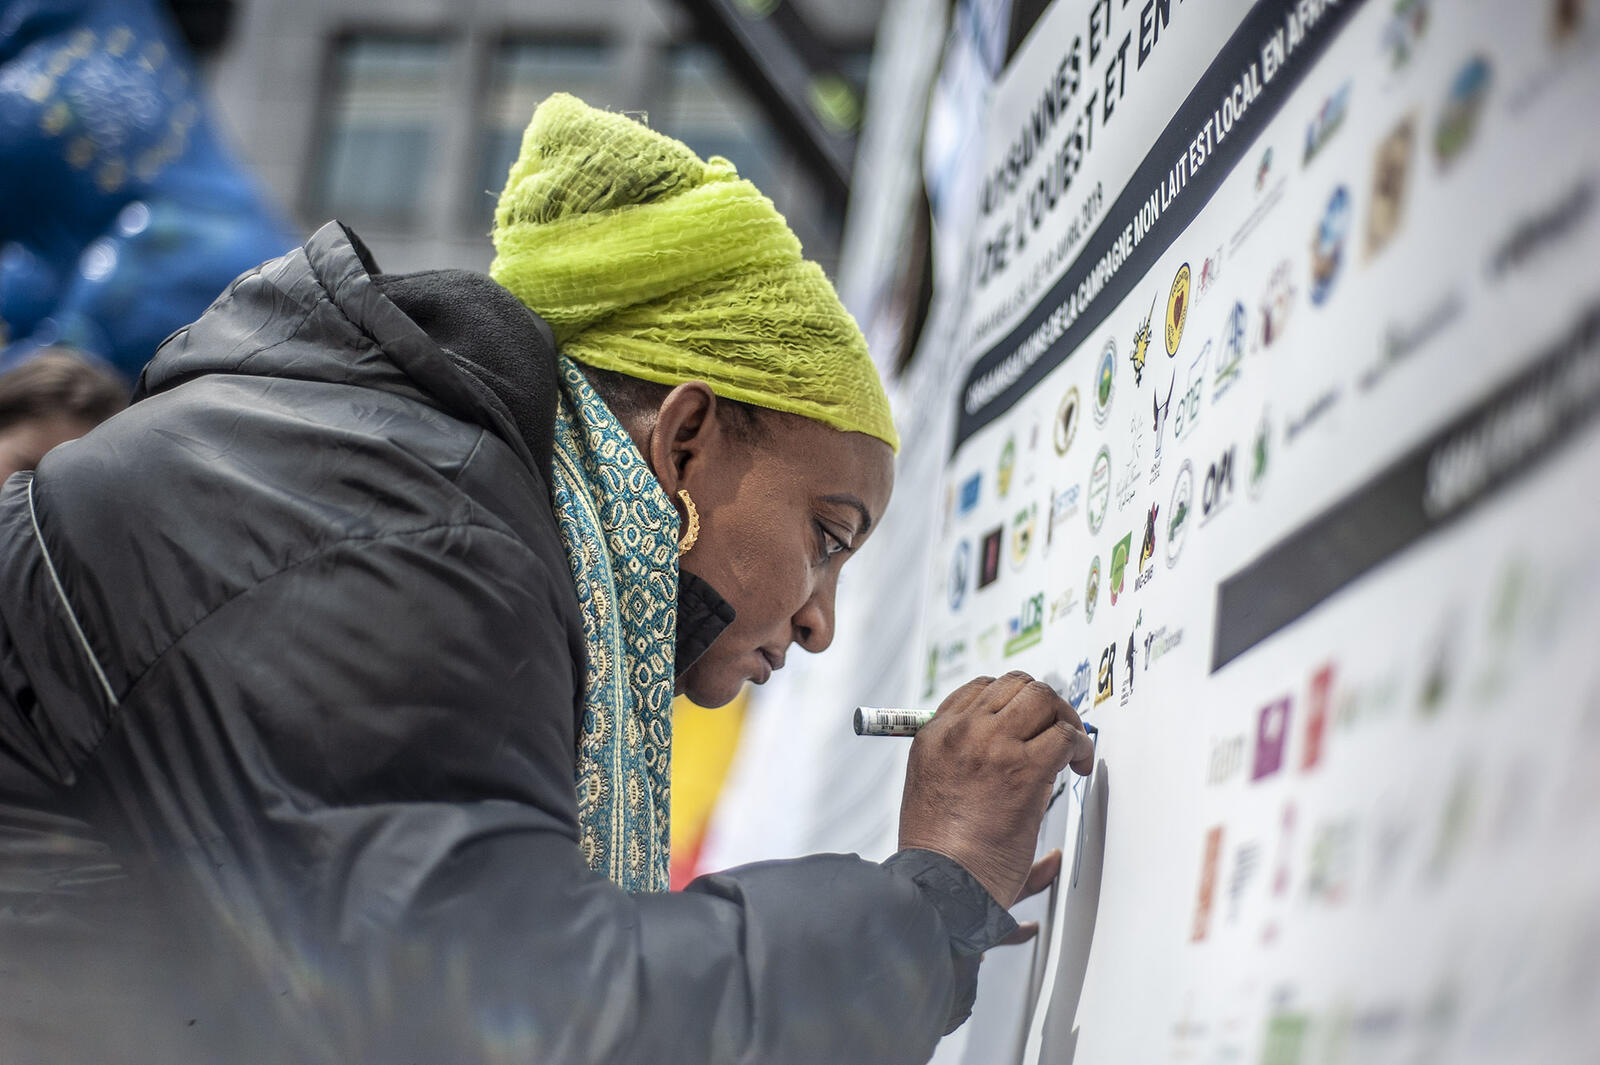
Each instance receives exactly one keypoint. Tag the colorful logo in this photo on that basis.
(989, 562)
(1078, 690)
(1099, 489)
(1007, 466)
(1276, 303)
(1178, 512)
(1263, 169)
(1458, 122)
(1141, 345)
(1119, 566)
(1105, 381)
(1025, 628)
(1066, 427)
(1091, 590)
(1177, 309)
(1404, 31)
(1391, 177)
(1327, 121)
(1147, 549)
(1105, 675)
(1210, 864)
(960, 570)
(1272, 736)
(1327, 247)
(1317, 716)
(971, 488)
(1233, 341)
(1260, 456)
(1024, 525)
(1187, 414)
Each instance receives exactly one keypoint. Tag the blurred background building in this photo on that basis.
(401, 117)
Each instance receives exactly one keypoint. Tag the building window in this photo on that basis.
(521, 74)
(385, 101)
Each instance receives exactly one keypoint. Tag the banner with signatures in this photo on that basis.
(1274, 448)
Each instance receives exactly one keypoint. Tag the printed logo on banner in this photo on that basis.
(1128, 484)
(1217, 490)
(1119, 566)
(1105, 379)
(1263, 170)
(1260, 456)
(960, 570)
(1147, 550)
(946, 659)
(1226, 761)
(1130, 657)
(1328, 119)
(1078, 690)
(1458, 121)
(1210, 273)
(1246, 859)
(1272, 737)
(1276, 303)
(1317, 707)
(971, 489)
(1066, 427)
(989, 643)
(989, 562)
(1391, 177)
(1006, 467)
(1328, 868)
(1404, 31)
(1025, 628)
(1063, 505)
(1206, 898)
(1542, 230)
(1177, 309)
(1440, 669)
(1160, 411)
(1327, 247)
(1024, 525)
(1064, 605)
(1141, 344)
(1187, 414)
(1099, 489)
(1105, 676)
(1091, 590)
(1159, 642)
(1234, 333)
(1178, 512)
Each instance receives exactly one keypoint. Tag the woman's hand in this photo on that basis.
(980, 776)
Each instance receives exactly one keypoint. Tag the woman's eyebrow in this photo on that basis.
(849, 500)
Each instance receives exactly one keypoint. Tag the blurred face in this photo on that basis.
(778, 519)
(24, 443)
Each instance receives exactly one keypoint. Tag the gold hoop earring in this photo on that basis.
(693, 533)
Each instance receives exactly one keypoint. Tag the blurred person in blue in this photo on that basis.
(122, 215)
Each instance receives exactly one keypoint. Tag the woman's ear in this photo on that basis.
(685, 434)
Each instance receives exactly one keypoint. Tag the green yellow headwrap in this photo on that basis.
(650, 262)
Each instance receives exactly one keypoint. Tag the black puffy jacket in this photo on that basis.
(289, 663)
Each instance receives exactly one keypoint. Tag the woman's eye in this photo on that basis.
(828, 544)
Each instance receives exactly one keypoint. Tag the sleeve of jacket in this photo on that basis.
(372, 749)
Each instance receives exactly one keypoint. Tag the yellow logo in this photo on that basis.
(1141, 345)
(1177, 309)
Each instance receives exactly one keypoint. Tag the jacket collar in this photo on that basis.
(702, 615)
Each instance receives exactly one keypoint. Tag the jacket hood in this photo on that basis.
(321, 313)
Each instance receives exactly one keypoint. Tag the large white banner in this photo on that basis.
(1277, 453)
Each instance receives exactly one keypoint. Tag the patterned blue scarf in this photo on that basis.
(620, 533)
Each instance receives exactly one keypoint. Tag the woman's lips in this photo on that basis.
(771, 661)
